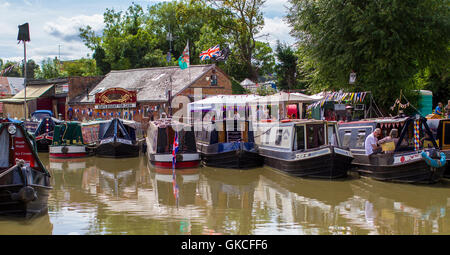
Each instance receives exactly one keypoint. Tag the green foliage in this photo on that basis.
(265, 91)
(50, 68)
(80, 67)
(237, 88)
(385, 42)
(286, 68)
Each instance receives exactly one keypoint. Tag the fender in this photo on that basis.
(432, 162)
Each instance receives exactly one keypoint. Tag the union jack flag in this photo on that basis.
(210, 53)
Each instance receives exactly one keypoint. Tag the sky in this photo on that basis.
(54, 25)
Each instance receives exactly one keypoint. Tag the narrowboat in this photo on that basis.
(160, 138)
(228, 144)
(403, 159)
(303, 148)
(119, 138)
(42, 125)
(441, 131)
(68, 142)
(24, 181)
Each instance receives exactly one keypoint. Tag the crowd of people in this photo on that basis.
(443, 112)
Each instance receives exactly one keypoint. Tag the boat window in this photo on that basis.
(279, 137)
(189, 142)
(332, 137)
(360, 140)
(267, 134)
(315, 135)
(4, 148)
(346, 140)
(300, 137)
(446, 129)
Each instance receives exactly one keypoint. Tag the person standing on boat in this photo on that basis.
(438, 109)
(349, 113)
(371, 143)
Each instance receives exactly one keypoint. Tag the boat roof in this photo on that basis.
(298, 121)
(165, 122)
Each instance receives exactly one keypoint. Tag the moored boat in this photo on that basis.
(404, 160)
(303, 148)
(441, 131)
(119, 138)
(42, 126)
(24, 181)
(228, 144)
(68, 142)
(160, 138)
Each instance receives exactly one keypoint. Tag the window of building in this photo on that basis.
(213, 78)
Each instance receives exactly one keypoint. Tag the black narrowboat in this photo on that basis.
(400, 160)
(160, 138)
(119, 139)
(228, 144)
(42, 127)
(24, 181)
(441, 131)
(303, 148)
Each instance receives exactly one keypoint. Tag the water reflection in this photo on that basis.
(128, 196)
(401, 209)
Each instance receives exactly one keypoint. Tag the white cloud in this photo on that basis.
(67, 29)
(277, 29)
(4, 4)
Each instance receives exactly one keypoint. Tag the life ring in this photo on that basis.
(286, 120)
(432, 162)
(266, 120)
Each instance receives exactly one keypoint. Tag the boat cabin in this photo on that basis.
(125, 131)
(68, 133)
(297, 135)
(441, 131)
(353, 134)
(161, 134)
(15, 144)
(224, 131)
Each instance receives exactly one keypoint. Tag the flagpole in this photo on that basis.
(25, 79)
(189, 67)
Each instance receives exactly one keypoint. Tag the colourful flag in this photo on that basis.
(183, 60)
(210, 53)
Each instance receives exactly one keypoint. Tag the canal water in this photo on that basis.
(97, 196)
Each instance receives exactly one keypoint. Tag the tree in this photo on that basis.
(80, 67)
(241, 21)
(287, 66)
(385, 42)
(50, 68)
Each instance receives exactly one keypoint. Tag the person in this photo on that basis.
(370, 144)
(426, 141)
(237, 116)
(259, 113)
(447, 109)
(438, 109)
(393, 137)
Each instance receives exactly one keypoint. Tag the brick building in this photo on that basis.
(51, 94)
(153, 88)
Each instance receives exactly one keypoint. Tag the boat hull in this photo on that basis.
(24, 193)
(70, 151)
(447, 164)
(117, 150)
(323, 163)
(238, 157)
(10, 207)
(183, 160)
(43, 144)
(415, 171)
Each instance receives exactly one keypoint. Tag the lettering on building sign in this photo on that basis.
(115, 98)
